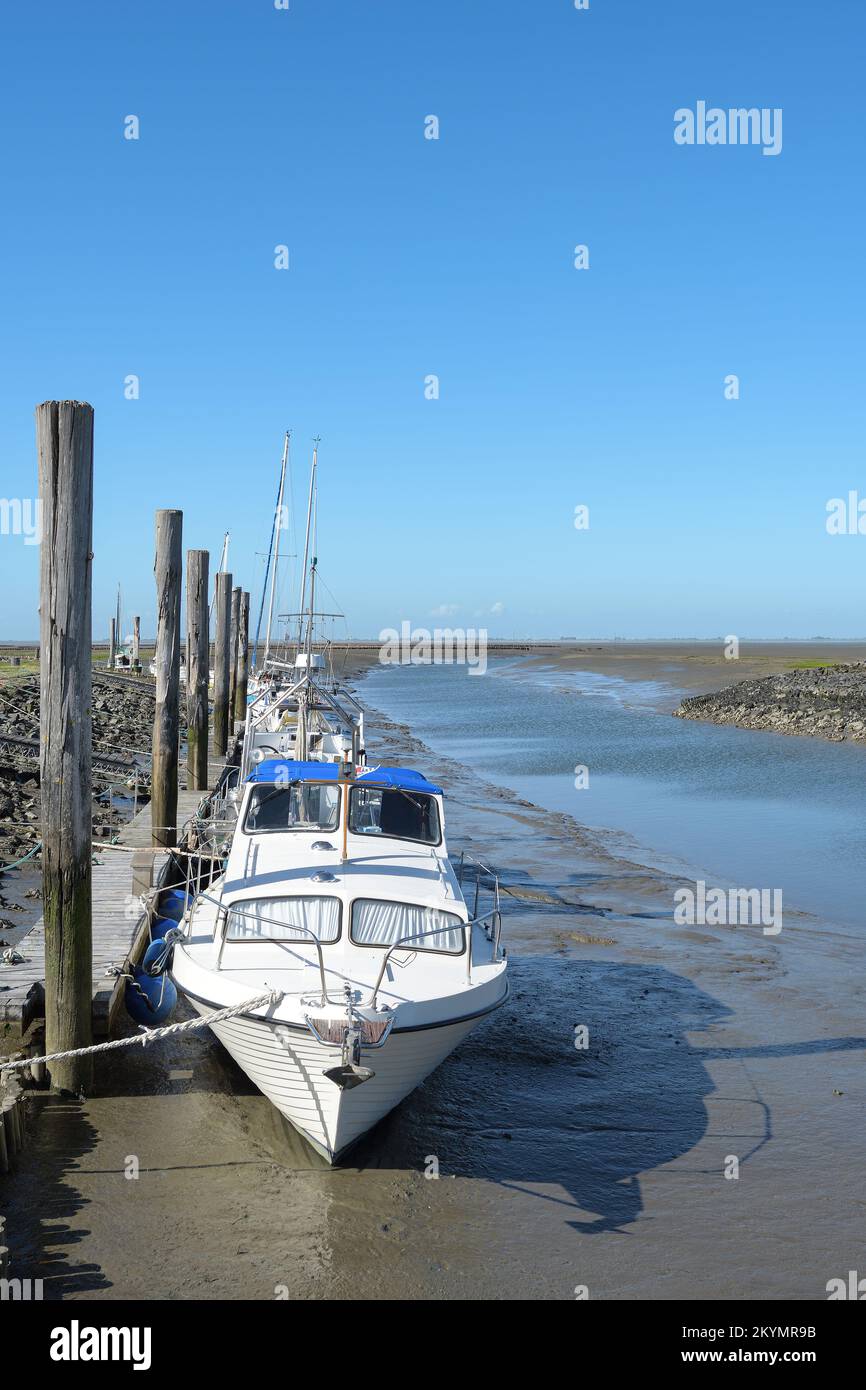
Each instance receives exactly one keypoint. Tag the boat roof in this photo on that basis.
(289, 770)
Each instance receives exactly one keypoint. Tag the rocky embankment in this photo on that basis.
(825, 702)
(122, 726)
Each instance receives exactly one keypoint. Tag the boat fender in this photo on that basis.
(161, 926)
(173, 904)
(160, 952)
(149, 1000)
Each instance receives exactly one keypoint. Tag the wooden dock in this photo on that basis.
(120, 925)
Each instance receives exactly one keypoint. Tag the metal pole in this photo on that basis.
(279, 527)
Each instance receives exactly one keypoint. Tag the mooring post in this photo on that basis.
(197, 564)
(233, 654)
(166, 720)
(221, 664)
(64, 441)
(136, 643)
(112, 643)
(243, 659)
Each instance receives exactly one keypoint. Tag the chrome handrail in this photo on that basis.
(233, 907)
(438, 931)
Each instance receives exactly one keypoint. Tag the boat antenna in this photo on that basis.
(278, 526)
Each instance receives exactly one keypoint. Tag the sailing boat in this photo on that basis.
(297, 709)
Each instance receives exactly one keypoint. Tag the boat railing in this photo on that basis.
(223, 912)
(491, 921)
(480, 868)
(219, 800)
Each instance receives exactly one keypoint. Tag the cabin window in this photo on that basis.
(377, 923)
(392, 811)
(285, 919)
(292, 806)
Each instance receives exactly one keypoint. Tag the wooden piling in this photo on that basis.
(166, 722)
(197, 564)
(243, 659)
(112, 643)
(233, 654)
(222, 603)
(64, 439)
(136, 643)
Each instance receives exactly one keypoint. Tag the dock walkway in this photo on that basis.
(119, 926)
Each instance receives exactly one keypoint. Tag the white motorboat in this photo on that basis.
(339, 896)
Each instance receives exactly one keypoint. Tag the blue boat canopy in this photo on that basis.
(288, 770)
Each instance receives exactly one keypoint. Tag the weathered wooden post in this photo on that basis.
(136, 643)
(233, 655)
(64, 441)
(166, 721)
(112, 643)
(197, 563)
(221, 664)
(243, 659)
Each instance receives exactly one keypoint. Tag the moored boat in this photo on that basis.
(338, 895)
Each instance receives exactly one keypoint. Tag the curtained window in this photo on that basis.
(385, 923)
(278, 919)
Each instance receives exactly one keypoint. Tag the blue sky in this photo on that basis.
(412, 257)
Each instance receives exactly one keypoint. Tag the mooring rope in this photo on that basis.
(149, 1035)
(5, 868)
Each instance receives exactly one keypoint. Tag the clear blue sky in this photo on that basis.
(411, 257)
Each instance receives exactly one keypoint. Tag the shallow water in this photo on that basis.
(604, 1167)
(734, 806)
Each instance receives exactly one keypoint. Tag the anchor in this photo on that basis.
(350, 1073)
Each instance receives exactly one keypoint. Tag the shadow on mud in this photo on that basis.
(519, 1105)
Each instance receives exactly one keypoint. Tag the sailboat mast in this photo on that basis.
(307, 543)
(224, 555)
(278, 528)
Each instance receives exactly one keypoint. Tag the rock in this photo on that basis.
(829, 702)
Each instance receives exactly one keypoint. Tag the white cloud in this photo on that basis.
(498, 607)
(444, 610)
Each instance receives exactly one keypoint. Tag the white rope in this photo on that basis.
(149, 1034)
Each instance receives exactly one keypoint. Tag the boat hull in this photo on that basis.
(288, 1065)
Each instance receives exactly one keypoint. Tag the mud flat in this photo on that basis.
(695, 666)
(825, 702)
(560, 1167)
(122, 727)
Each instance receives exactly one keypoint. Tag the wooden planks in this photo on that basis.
(119, 930)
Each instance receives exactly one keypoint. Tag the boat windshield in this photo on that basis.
(292, 806)
(402, 815)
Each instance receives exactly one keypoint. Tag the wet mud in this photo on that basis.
(586, 1136)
